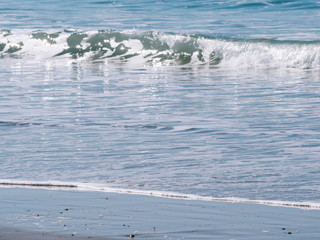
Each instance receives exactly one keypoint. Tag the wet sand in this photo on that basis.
(18, 234)
(33, 213)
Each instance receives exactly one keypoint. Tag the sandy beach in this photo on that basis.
(17, 234)
(59, 214)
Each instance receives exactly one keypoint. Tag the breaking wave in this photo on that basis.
(102, 188)
(155, 48)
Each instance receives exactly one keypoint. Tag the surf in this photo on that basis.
(98, 187)
(149, 48)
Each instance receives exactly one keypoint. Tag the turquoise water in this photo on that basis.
(217, 99)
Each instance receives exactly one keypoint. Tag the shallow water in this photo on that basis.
(224, 104)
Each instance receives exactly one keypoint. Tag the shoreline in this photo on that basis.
(60, 214)
(76, 186)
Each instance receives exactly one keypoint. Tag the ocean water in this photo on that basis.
(199, 99)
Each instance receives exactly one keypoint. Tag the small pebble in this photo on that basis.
(289, 232)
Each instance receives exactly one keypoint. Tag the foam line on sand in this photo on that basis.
(56, 185)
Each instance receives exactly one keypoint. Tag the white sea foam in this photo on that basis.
(153, 48)
(58, 185)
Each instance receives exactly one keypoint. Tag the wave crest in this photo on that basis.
(154, 48)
